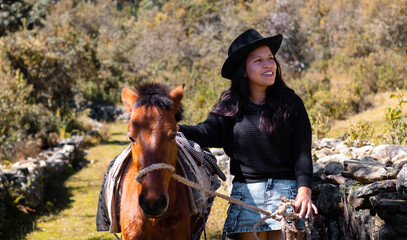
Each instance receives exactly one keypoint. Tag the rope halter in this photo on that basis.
(153, 167)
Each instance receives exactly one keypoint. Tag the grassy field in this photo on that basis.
(77, 220)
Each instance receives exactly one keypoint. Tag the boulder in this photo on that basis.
(336, 179)
(387, 208)
(394, 152)
(333, 168)
(358, 197)
(361, 152)
(370, 174)
(333, 158)
(343, 148)
(318, 172)
(402, 182)
(365, 170)
(323, 153)
(386, 232)
(326, 143)
(400, 222)
(328, 200)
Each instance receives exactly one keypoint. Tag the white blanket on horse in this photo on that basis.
(198, 165)
(112, 187)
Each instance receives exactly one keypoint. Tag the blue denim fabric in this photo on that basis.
(265, 195)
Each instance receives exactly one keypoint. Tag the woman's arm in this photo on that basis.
(303, 162)
(207, 133)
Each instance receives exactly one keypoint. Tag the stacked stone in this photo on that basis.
(361, 193)
(27, 180)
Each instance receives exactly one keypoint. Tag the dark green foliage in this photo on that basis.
(16, 14)
(14, 93)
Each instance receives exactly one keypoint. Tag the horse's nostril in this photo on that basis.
(161, 202)
(153, 208)
(142, 200)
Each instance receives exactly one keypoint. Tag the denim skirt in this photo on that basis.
(265, 195)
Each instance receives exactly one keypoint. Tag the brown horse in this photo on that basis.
(157, 207)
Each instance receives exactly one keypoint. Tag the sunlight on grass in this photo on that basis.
(78, 221)
(375, 115)
(214, 225)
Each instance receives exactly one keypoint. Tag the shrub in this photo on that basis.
(320, 125)
(359, 132)
(396, 122)
(14, 93)
(22, 13)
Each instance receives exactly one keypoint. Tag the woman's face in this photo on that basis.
(260, 69)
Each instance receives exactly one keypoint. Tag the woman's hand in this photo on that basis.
(304, 203)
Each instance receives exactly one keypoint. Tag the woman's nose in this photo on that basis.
(268, 64)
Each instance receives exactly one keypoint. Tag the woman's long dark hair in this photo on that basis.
(279, 100)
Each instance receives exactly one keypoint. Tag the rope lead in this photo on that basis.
(279, 215)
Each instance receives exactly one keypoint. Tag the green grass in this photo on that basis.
(77, 219)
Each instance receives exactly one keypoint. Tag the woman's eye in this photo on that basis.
(257, 60)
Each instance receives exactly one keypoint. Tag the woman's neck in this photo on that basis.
(259, 98)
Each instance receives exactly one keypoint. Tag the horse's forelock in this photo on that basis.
(153, 94)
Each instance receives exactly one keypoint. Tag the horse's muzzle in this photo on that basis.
(153, 208)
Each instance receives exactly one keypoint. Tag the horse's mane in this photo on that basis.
(154, 94)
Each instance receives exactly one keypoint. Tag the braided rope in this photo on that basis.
(279, 215)
(151, 168)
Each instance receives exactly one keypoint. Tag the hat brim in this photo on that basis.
(237, 56)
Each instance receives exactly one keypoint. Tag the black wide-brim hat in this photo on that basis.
(243, 44)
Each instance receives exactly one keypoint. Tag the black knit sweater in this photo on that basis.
(285, 154)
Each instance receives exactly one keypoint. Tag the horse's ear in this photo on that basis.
(176, 95)
(129, 97)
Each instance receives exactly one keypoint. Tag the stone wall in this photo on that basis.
(25, 182)
(360, 192)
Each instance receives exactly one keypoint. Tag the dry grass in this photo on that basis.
(375, 115)
(214, 225)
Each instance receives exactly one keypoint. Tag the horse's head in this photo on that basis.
(152, 129)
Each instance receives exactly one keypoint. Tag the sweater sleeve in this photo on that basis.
(207, 133)
(302, 140)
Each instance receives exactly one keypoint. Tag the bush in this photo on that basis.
(396, 126)
(358, 133)
(320, 125)
(14, 94)
(16, 14)
(23, 126)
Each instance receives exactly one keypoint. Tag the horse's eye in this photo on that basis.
(132, 139)
(172, 136)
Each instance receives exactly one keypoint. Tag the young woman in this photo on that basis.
(264, 128)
